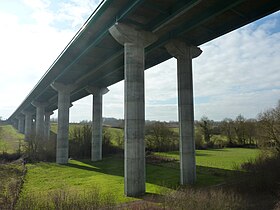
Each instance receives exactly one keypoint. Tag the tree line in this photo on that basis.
(262, 132)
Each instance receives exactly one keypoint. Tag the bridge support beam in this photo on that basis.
(20, 123)
(28, 124)
(97, 121)
(15, 123)
(134, 43)
(184, 55)
(47, 125)
(62, 143)
(39, 126)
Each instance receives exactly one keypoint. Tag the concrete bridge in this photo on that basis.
(119, 41)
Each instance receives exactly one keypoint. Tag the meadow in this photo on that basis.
(47, 182)
(10, 139)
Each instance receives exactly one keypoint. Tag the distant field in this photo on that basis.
(227, 158)
(10, 139)
(115, 133)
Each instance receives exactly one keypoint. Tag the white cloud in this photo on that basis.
(237, 73)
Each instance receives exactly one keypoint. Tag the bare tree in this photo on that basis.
(269, 128)
(228, 130)
(239, 128)
(159, 137)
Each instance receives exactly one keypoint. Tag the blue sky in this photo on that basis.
(238, 73)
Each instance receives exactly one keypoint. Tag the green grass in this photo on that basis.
(10, 139)
(106, 174)
(227, 158)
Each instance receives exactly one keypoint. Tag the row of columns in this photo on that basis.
(134, 42)
(42, 122)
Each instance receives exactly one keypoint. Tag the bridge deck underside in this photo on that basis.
(94, 58)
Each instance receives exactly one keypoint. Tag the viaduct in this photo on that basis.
(118, 42)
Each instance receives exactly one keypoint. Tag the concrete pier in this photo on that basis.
(97, 120)
(134, 43)
(20, 123)
(47, 125)
(184, 55)
(40, 112)
(62, 145)
(28, 124)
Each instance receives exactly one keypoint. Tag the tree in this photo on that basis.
(206, 125)
(269, 128)
(250, 131)
(159, 137)
(227, 126)
(239, 128)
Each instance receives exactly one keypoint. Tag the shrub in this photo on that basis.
(159, 137)
(263, 174)
(66, 199)
(11, 180)
(199, 199)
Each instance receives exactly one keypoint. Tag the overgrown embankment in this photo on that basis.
(12, 175)
(12, 170)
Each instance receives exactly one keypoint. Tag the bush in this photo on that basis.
(199, 199)
(264, 174)
(66, 199)
(160, 138)
(11, 180)
(80, 141)
(40, 149)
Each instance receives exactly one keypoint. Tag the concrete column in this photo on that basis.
(15, 123)
(40, 112)
(47, 125)
(63, 121)
(97, 120)
(20, 123)
(134, 42)
(28, 124)
(184, 55)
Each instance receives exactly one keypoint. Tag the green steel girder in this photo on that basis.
(249, 18)
(195, 22)
(176, 9)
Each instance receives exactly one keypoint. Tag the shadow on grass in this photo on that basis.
(161, 175)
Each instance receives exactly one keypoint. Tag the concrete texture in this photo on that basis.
(47, 125)
(97, 120)
(28, 124)
(20, 123)
(40, 112)
(62, 144)
(134, 44)
(184, 55)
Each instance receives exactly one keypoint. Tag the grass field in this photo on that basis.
(214, 167)
(10, 139)
(106, 174)
(227, 158)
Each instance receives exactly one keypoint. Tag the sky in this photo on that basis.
(238, 73)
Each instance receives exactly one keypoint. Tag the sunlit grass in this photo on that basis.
(227, 158)
(81, 176)
(10, 139)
